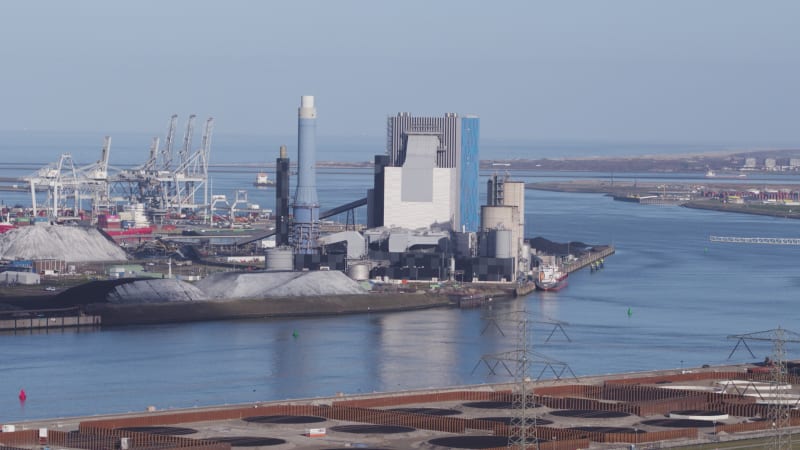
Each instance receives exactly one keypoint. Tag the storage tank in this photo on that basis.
(502, 243)
(280, 258)
(497, 217)
(358, 271)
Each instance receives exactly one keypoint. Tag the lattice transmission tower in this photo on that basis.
(523, 425)
(781, 403)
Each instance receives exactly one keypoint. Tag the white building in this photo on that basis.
(12, 277)
(419, 194)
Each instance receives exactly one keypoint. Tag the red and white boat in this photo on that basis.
(551, 278)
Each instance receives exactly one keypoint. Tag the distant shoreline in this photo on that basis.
(633, 190)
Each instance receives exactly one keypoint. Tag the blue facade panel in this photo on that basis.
(469, 212)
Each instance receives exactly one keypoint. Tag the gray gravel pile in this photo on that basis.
(68, 243)
(229, 285)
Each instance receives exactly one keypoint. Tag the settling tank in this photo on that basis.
(358, 271)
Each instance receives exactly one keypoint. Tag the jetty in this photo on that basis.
(588, 258)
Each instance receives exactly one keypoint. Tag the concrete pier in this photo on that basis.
(589, 258)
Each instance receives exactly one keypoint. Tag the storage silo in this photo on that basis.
(502, 243)
(500, 216)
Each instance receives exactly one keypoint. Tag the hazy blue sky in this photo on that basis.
(722, 71)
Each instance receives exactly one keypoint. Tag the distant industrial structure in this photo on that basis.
(160, 185)
(429, 174)
(425, 220)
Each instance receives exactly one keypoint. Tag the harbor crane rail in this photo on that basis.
(755, 240)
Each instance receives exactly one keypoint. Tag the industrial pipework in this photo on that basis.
(305, 229)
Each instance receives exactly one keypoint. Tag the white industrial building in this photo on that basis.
(12, 277)
(419, 194)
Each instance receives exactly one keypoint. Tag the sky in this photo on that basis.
(618, 70)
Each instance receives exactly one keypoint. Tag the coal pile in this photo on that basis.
(157, 290)
(554, 248)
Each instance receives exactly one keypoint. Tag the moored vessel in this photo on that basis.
(551, 278)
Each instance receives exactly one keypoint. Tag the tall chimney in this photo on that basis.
(282, 198)
(306, 205)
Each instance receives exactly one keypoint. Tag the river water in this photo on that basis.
(668, 298)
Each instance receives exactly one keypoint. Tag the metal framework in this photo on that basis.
(164, 187)
(67, 185)
(755, 240)
(523, 424)
(780, 405)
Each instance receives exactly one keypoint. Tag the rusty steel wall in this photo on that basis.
(583, 403)
(98, 437)
(651, 436)
(614, 397)
(24, 437)
(570, 390)
(433, 397)
(667, 405)
(700, 376)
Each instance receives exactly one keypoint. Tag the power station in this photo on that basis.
(424, 220)
(424, 217)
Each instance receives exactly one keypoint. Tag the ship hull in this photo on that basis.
(551, 285)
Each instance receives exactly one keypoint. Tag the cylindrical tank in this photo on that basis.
(280, 258)
(358, 271)
(502, 243)
(496, 217)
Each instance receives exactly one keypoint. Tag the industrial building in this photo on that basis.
(431, 165)
(425, 221)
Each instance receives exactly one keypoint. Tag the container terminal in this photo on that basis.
(706, 407)
(425, 231)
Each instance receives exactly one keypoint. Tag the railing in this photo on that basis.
(755, 240)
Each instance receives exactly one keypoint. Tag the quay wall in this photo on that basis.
(148, 313)
(34, 323)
